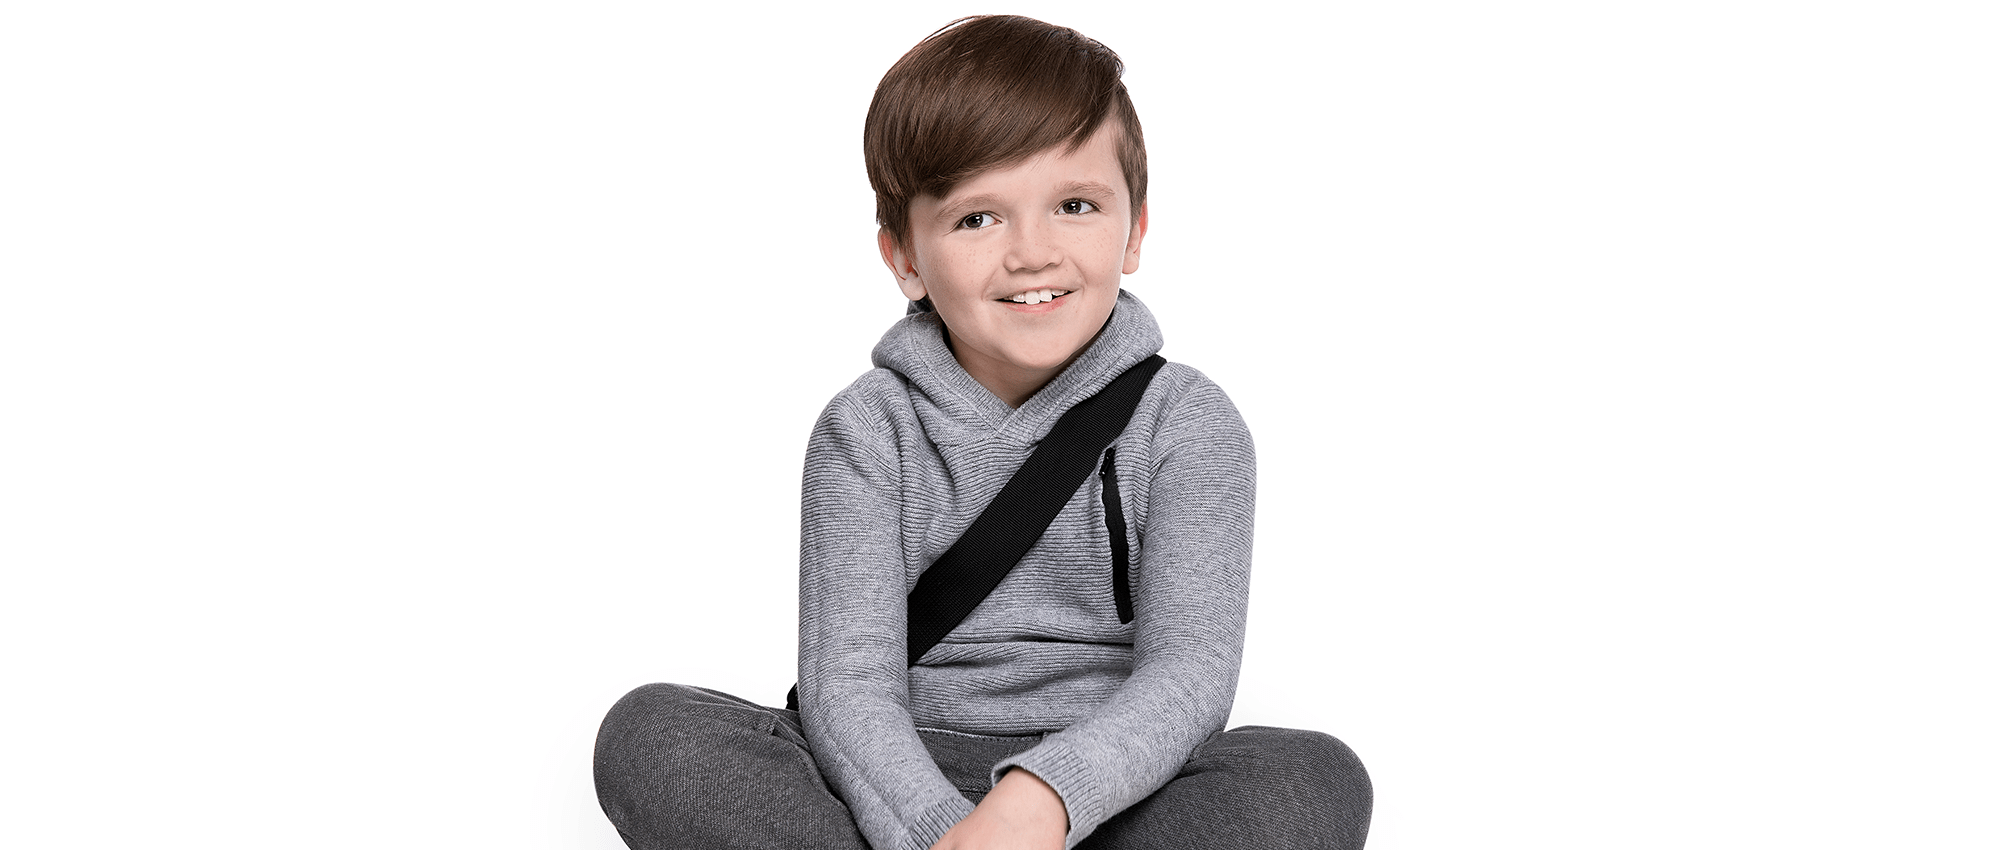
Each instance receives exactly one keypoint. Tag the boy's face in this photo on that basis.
(1056, 222)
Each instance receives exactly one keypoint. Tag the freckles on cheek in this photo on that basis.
(1114, 247)
(1114, 257)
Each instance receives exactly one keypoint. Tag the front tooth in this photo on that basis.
(1021, 298)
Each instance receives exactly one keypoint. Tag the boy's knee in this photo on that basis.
(1340, 773)
(644, 726)
(1325, 759)
(1289, 752)
(645, 706)
(660, 740)
(650, 700)
(669, 709)
(1310, 781)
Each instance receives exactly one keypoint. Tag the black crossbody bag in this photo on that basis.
(966, 573)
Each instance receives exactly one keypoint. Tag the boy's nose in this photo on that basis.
(1033, 248)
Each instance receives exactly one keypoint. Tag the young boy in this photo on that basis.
(1074, 706)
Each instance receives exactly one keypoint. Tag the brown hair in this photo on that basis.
(986, 92)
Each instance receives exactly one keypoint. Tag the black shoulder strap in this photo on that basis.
(963, 576)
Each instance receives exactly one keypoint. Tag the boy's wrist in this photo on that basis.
(1021, 813)
(1033, 799)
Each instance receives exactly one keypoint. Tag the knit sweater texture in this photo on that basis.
(899, 465)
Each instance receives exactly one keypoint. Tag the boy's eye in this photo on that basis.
(976, 221)
(1077, 206)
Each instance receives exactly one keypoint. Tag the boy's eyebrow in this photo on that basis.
(970, 204)
(1088, 187)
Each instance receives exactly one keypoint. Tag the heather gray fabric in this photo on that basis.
(899, 465)
(680, 767)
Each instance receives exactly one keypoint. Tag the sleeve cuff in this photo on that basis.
(935, 822)
(1070, 775)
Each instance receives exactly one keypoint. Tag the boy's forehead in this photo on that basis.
(1091, 167)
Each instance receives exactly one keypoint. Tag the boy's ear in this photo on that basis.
(901, 264)
(1132, 243)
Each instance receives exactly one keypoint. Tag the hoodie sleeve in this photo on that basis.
(853, 668)
(1190, 604)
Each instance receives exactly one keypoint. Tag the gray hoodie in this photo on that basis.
(899, 465)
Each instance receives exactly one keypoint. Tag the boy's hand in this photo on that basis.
(1022, 813)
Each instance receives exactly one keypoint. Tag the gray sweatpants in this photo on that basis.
(685, 768)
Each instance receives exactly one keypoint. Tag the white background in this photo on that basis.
(386, 388)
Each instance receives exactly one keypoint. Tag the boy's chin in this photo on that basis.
(1049, 360)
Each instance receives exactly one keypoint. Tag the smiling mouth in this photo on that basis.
(1037, 296)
